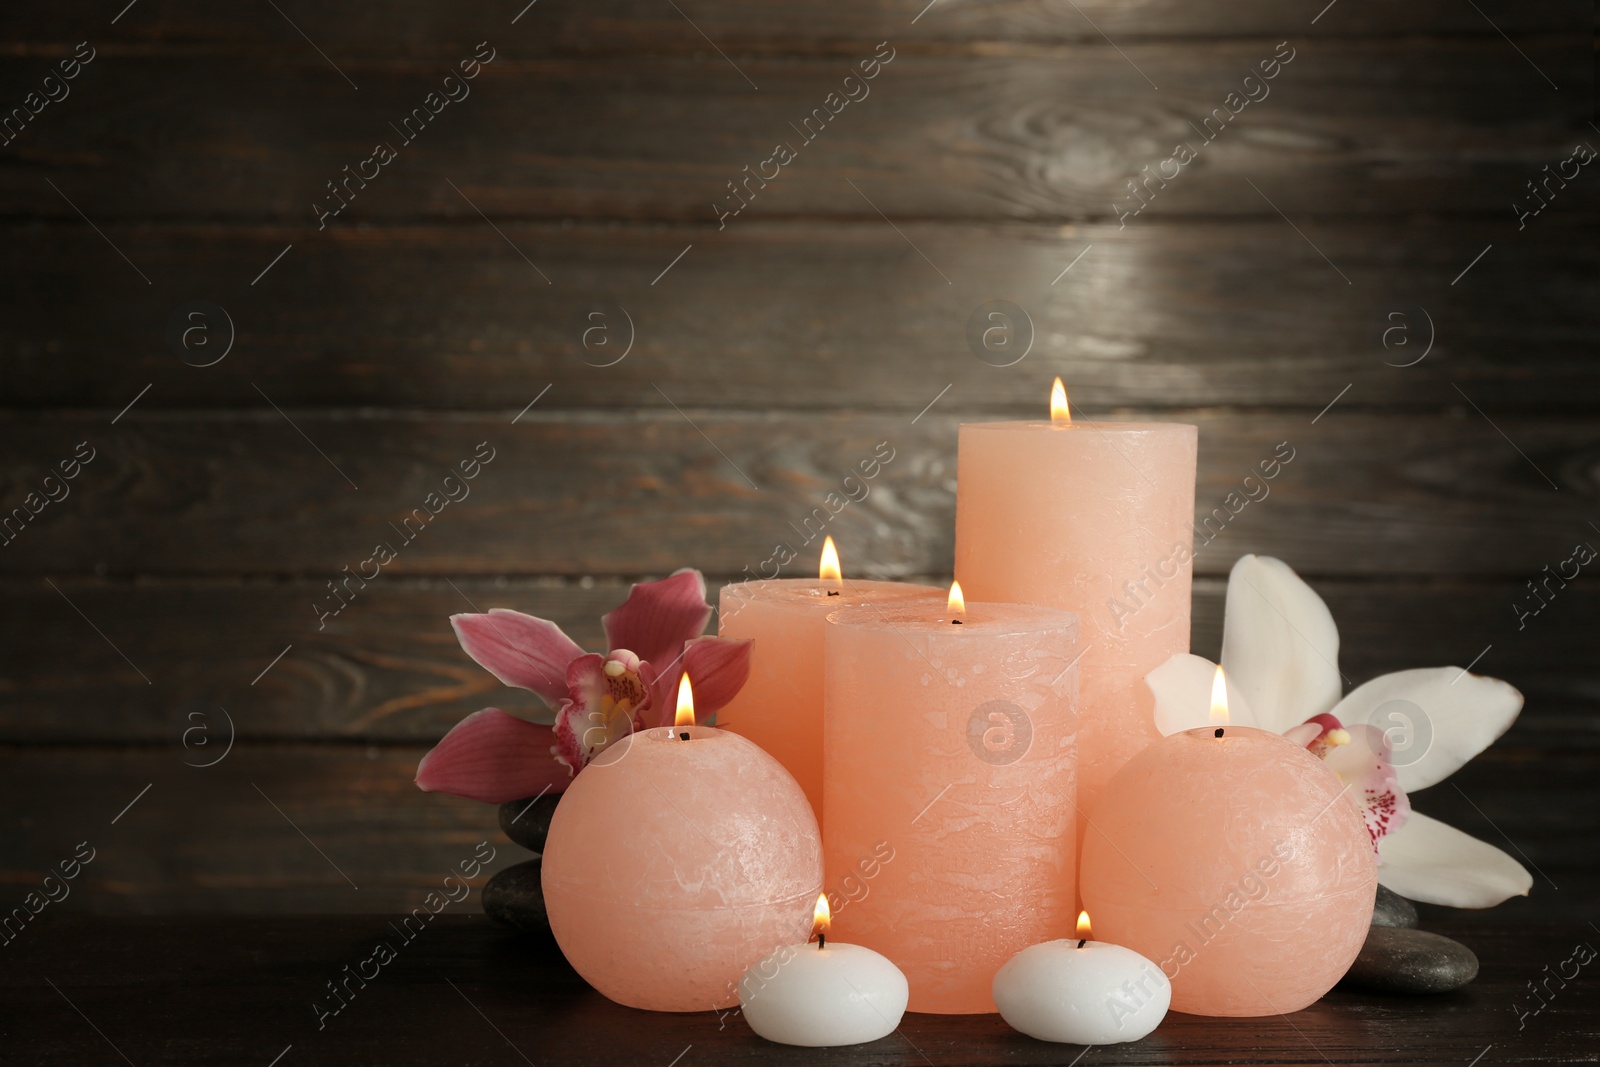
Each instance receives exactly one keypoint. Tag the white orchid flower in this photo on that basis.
(1280, 652)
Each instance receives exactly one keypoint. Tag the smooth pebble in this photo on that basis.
(1395, 960)
(514, 897)
(1392, 909)
(527, 821)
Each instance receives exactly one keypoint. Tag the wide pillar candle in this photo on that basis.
(950, 748)
(1096, 519)
(780, 705)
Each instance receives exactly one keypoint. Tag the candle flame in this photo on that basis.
(822, 918)
(1060, 413)
(956, 603)
(828, 569)
(685, 715)
(1219, 698)
(1083, 926)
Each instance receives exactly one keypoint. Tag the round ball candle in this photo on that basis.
(1095, 519)
(1081, 991)
(950, 748)
(823, 994)
(1231, 856)
(676, 859)
(780, 705)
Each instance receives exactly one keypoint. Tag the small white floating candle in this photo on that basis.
(1082, 992)
(823, 994)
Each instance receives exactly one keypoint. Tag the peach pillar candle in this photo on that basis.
(780, 706)
(1096, 519)
(950, 736)
(675, 860)
(1231, 857)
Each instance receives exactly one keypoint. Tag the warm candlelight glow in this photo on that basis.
(822, 917)
(1060, 413)
(828, 569)
(957, 603)
(685, 715)
(1083, 926)
(1219, 698)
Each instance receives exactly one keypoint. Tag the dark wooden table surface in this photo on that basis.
(241, 990)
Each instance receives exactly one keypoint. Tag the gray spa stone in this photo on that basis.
(1392, 909)
(527, 821)
(515, 898)
(1397, 960)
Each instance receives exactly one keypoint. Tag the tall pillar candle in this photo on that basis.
(780, 705)
(950, 747)
(1096, 519)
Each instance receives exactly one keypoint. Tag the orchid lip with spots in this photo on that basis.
(655, 639)
(1280, 651)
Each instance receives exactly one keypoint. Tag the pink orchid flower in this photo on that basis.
(1361, 756)
(654, 638)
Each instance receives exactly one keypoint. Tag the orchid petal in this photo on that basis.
(1325, 723)
(568, 748)
(610, 698)
(1435, 863)
(1362, 763)
(1182, 688)
(493, 757)
(1304, 734)
(519, 649)
(1436, 718)
(658, 617)
(1279, 643)
(718, 668)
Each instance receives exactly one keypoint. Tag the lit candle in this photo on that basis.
(1093, 518)
(780, 706)
(950, 740)
(827, 994)
(1232, 857)
(1081, 991)
(675, 859)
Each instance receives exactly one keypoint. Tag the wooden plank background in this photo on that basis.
(1264, 294)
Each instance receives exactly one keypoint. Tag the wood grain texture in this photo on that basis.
(464, 990)
(1349, 128)
(273, 492)
(422, 28)
(767, 362)
(789, 316)
(210, 839)
(388, 668)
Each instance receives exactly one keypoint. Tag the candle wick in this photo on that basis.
(1083, 942)
(955, 622)
(833, 592)
(684, 736)
(1219, 731)
(822, 942)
